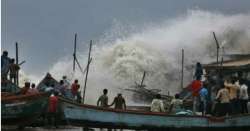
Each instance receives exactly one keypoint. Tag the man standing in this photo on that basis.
(157, 104)
(203, 99)
(5, 62)
(53, 109)
(224, 98)
(103, 99)
(196, 86)
(198, 71)
(243, 96)
(66, 82)
(119, 102)
(13, 68)
(74, 88)
(233, 89)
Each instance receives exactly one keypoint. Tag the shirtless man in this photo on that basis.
(103, 99)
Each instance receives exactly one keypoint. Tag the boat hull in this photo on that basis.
(22, 110)
(91, 116)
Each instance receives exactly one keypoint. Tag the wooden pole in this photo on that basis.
(86, 77)
(17, 75)
(182, 68)
(74, 54)
(143, 77)
(218, 47)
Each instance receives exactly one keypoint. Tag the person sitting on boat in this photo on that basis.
(25, 89)
(33, 89)
(5, 62)
(157, 104)
(224, 97)
(119, 102)
(176, 105)
(13, 71)
(203, 99)
(103, 99)
(53, 109)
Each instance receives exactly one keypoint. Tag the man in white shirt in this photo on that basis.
(243, 96)
(157, 104)
(66, 82)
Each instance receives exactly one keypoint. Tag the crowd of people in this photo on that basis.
(230, 97)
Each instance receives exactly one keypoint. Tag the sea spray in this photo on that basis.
(119, 61)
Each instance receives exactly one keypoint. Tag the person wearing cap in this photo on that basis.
(119, 102)
(157, 104)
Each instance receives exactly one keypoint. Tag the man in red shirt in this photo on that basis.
(74, 90)
(52, 111)
(196, 86)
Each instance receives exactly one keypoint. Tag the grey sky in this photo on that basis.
(45, 28)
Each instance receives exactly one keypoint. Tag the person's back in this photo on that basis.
(243, 96)
(203, 94)
(157, 105)
(177, 105)
(25, 89)
(74, 88)
(53, 102)
(13, 69)
(103, 99)
(33, 90)
(224, 98)
(66, 82)
(243, 92)
(119, 102)
(196, 86)
(223, 95)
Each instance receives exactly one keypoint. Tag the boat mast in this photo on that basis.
(143, 77)
(74, 54)
(218, 47)
(87, 71)
(182, 66)
(17, 75)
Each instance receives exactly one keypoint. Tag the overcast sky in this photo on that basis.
(45, 28)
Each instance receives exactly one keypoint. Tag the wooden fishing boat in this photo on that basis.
(96, 117)
(22, 109)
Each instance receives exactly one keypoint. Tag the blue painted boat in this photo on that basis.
(96, 117)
